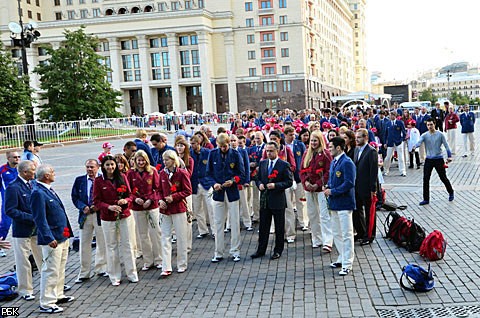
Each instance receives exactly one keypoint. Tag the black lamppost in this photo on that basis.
(448, 84)
(28, 34)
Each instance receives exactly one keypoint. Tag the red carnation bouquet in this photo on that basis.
(66, 232)
(158, 167)
(273, 175)
(122, 194)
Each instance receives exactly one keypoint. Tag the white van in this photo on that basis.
(412, 105)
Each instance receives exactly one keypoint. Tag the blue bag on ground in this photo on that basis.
(417, 278)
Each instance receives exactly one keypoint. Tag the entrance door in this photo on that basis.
(165, 99)
(136, 102)
(194, 99)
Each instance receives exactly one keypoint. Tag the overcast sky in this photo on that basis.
(405, 37)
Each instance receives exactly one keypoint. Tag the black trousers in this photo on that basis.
(264, 230)
(417, 158)
(362, 218)
(430, 164)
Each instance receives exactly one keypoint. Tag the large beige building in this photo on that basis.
(212, 55)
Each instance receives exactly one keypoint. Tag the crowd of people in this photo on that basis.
(313, 170)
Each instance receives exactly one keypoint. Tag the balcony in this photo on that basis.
(268, 60)
(267, 43)
(262, 11)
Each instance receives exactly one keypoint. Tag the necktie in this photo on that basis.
(29, 185)
(334, 163)
(54, 193)
(270, 167)
(90, 194)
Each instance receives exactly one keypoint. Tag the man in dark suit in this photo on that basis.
(366, 161)
(17, 207)
(53, 230)
(396, 134)
(381, 126)
(274, 176)
(89, 222)
(439, 116)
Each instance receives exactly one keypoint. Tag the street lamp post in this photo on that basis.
(448, 84)
(28, 34)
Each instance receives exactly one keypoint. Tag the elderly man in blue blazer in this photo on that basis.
(17, 207)
(225, 166)
(89, 222)
(54, 231)
(341, 201)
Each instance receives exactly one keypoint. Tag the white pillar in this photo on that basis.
(231, 71)
(32, 62)
(205, 72)
(116, 66)
(178, 95)
(145, 73)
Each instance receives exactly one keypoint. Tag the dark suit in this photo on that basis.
(365, 184)
(439, 116)
(273, 203)
(80, 199)
(17, 207)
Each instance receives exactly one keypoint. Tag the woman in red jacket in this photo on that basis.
(174, 188)
(144, 182)
(112, 196)
(314, 172)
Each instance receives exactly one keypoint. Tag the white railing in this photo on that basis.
(12, 137)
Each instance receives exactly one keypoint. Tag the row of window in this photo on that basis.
(266, 20)
(267, 37)
(265, 4)
(70, 2)
(268, 69)
(268, 53)
(270, 87)
(37, 2)
(30, 15)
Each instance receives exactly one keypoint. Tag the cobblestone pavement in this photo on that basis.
(300, 283)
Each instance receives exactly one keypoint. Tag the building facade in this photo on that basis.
(211, 55)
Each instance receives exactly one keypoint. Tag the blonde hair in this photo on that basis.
(172, 154)
(141, 133)
(119, 158)
(223, 139)
(143, 154)
(310, 151)
(186, 154)
(342, 130)
(311, 124)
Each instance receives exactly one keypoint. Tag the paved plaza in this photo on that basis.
(300, 283)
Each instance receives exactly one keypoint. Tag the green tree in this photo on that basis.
(74, 81)
(458, 99)
(427, 95)
(15, 91)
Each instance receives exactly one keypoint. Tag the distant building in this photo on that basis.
(212, 55)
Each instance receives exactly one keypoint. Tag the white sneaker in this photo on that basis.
(236, 258)
(290, 240)
(344, 271)
(2, 253)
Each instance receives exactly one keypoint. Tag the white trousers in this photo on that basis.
(147, 223)
(300, 205)
(220, 212)
(471, 141)
(119, 244)
(135, 239)
(451, 138)
(255, 203)
(22, 246)
(290, 220)
(189, 225)
(343, 237)
(319, 218)
(243, 208)
(52, 277)
(179, 222)
(202, 209)
(401, 158)
(86, 235)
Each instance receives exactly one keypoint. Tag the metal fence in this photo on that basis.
(12, 137)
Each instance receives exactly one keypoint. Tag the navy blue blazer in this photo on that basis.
(422, 122)
(331, 120)
(298, 151)
(276, 198)
(246, 163)
(222, 170)
(49, 216)
(141, 145)
(17, 207)
(396, 134)
(341, 182)
(79, 197)
(199, 174)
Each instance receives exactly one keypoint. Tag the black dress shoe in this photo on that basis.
(275, 256)
(256, 255)
(365, 242)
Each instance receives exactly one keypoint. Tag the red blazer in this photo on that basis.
(191, 164)
(147, 185)
(451, 117)
(312, 173)
(105, 194)
(285, 154)
(208, 145)
(181, 180)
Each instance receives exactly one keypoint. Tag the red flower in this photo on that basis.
(445, 165)
(158, 167)
(236, 179)
(240, 187)
(306, 170)
(173, 188)
(319, 171)
(66, 232)
(122, 189)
